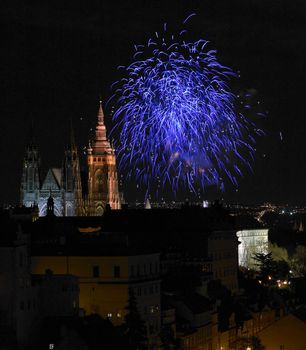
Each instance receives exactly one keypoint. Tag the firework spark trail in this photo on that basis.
(176, 117)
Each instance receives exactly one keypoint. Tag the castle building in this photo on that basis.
(64, 184)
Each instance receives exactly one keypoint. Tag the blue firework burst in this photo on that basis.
(176, 117)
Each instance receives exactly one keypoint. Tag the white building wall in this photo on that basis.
(252, 242)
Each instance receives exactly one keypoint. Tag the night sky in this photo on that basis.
(57, 59)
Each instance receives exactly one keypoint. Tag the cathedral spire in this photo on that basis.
(72, 137)
(100, 114)
(101, 144)
(31, 135)
(30, 182)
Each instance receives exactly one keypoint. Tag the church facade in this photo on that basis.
(64, 184)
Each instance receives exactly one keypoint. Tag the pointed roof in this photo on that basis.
(31, 141)
(31, 134)
(100, 114)
(72, 137)
(52, 180)
(101, 145)
(148, 204)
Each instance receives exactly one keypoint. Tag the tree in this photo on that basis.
(271, 270)
(252, 343)
(134, 327)
(266, 265)
(281, 270)
(298, 264)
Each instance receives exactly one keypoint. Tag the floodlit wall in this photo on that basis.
(251, 242)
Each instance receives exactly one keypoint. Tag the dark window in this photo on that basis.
(144, 269)
(132, 270)
(150, 268)
(139, 291)
(117, 271)
(21, 305)
(95, 271)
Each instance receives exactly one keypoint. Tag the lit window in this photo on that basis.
(109, 315)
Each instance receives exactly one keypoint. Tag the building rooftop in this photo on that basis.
(128, 231)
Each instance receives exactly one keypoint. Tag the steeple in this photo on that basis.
(100, 114)
(31, 143)
(30, 182)
(102, 172)
(73, 145)
(101, 144)
(71, 179)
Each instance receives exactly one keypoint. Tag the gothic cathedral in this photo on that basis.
(64, 184)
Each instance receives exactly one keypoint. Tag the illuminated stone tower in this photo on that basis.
(71, 181)
(102, 172)
(30, 182)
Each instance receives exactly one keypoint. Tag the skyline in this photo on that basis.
(57, 62)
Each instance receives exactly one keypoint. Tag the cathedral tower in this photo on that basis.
(30, 181)
(71, 181)
(102, 172)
